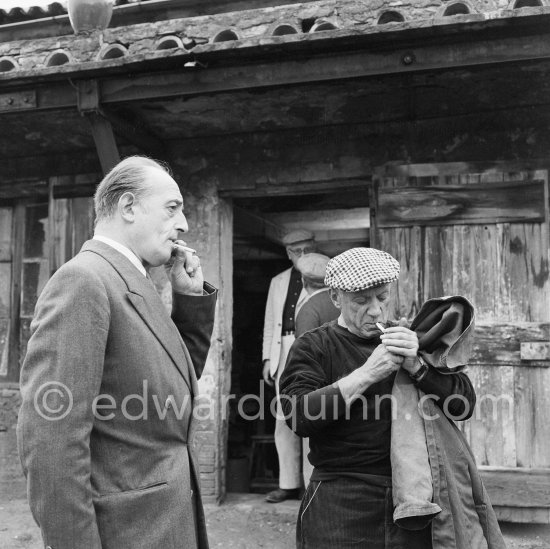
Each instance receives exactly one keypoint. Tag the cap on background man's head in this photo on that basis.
(313, 266)
(298, 235)
(360, 269)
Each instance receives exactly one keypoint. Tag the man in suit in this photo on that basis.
(285, 295)
(109, 378)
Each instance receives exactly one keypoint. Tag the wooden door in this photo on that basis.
(485, 237)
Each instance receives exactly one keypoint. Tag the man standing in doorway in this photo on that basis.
(285, 294)
(315, 310)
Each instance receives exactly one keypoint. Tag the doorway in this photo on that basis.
(339, 220)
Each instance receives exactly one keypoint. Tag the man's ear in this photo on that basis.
(127, 206)
(335, 297)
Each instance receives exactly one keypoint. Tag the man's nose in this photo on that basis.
(181, 224)
(374, 310)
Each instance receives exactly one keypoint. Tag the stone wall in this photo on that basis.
(237, 30)
(12, 483)
(210, 233)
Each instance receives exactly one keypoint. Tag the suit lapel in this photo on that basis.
(146, 301)
(156, 318)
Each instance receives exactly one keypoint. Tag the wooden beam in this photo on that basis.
(507, 202)
(104, 139)
(323, 67)
(260, 65)
(517, 486)
(442, 169)
(88, 97)
(526, 515)
(323, 220)
(298, 188)
(257, 226)
(500, 344)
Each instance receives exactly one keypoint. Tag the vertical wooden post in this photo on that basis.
(546, 230)
(51, 226)
(373, 206)
(18, 243)
(225, 320)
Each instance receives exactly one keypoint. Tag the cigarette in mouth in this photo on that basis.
(185, 248)
(380, 327)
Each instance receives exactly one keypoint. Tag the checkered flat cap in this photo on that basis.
(361, 268)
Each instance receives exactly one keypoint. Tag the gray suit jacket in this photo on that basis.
(124, 475)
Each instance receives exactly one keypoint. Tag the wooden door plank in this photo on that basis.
(461, 204)
(527, 515)
(18, 233)
(60, 236)
(492, 429)
(5, 233)
(405, 245)
(434, 243)
(529, 275)
(532, 416)
(481, 268)
(530, 288)
(518, 487)
(81, 222)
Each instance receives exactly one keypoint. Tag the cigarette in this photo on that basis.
(380, 327)
(185, 248)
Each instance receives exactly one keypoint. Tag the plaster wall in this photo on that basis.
(11, 478)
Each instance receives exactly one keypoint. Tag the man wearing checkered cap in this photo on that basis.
(336, 389)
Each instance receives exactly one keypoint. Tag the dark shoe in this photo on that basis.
(276, 496)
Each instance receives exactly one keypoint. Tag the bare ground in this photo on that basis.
(244, 521)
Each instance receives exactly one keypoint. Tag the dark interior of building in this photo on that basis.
(252, 458)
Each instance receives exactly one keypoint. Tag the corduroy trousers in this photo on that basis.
(350, 513)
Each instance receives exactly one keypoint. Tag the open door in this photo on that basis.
(484, 237)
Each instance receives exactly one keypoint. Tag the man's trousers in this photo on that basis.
(288, 444)
(346, 513)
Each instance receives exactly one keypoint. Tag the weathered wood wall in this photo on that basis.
(502, 268)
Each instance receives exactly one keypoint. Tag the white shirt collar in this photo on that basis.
(124, 251)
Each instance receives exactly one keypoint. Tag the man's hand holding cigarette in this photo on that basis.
(186, 273)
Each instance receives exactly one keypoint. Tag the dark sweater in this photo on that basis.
(317, 310)
(355, 440)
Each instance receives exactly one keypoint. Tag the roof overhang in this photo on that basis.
(284, 85)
